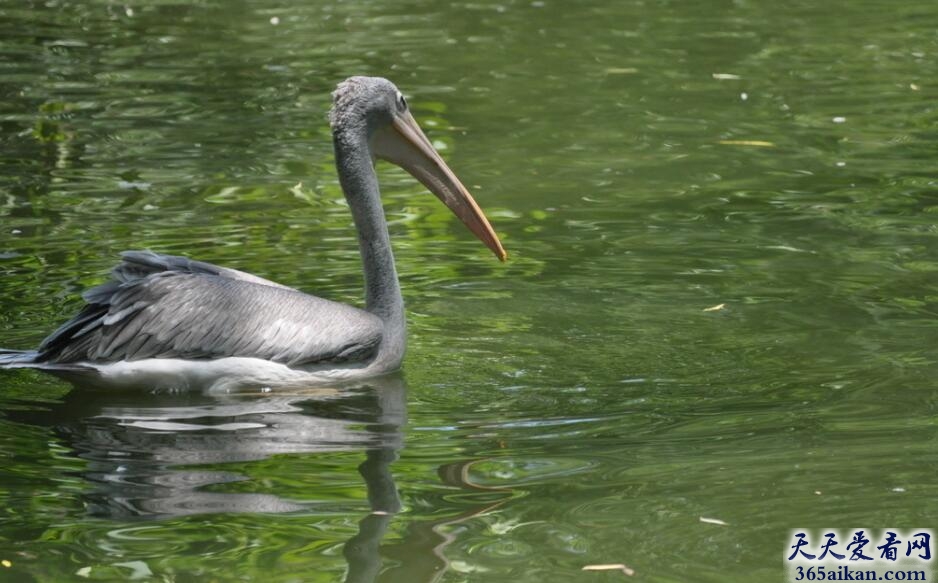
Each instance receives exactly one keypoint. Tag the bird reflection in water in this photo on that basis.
(144, 451)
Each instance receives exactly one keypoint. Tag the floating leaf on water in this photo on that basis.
(139, 570)
(226, 195)
(725, 76)
(621, 70)
(610, 567)
(6, 563)
(503, 527)
(914, 87)
(706, 520)
(306, 195)
(755, 143)
(464, 567)
(715, 308)
(787, 248)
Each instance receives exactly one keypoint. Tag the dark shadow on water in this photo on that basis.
(146, 456)
(144, 450)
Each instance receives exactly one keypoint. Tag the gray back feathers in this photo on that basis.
(161, 306)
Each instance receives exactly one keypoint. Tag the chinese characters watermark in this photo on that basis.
(860, 554)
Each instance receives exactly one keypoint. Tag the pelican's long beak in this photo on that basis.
(405, 144)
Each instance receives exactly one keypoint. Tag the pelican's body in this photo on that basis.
(170, 322)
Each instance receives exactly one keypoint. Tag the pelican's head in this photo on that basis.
(373, 107)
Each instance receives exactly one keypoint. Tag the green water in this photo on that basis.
(643, 161)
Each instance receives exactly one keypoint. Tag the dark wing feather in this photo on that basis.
(139, 264)
(160, 306)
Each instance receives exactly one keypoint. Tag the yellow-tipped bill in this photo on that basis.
(405, 144)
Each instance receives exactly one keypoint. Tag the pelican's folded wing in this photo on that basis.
(139, 264)
(203, 311)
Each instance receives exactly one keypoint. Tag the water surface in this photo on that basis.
(721, 299)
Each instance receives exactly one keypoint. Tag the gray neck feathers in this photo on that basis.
(360, 184)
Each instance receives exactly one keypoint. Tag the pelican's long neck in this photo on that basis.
(360, 184)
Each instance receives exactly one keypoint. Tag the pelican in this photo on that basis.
(171, 322)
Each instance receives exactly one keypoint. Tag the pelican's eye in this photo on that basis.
(401, 102)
